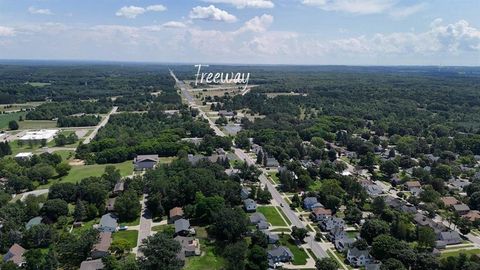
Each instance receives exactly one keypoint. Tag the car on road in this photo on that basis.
(123, 228)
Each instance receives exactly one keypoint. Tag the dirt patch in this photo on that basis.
(76, 162)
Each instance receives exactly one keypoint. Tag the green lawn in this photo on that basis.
(166, 160)
(161, 228)
(130, 236)
(457, 252)
(65, 154)
(207, 261)
(7, 117)
(274, 177)
(272, 215)
(131, 223)
(37, 124)
(24, 148)
(77, 173)
(299, 255)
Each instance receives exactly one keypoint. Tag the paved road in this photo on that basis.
(315, 246)
(99, 126)
(145, 227)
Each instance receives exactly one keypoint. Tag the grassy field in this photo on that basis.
(37, 124)
(299, 255)
(65, 154)
(284, 216)
(77, 173)
(7, 117)
(457, 252)
(272, 215)
(207, 261)
(274, 177)
(161, 228)
(131, 223)
(38, 84)
(130, 236)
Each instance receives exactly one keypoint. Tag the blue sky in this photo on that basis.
(355, 32)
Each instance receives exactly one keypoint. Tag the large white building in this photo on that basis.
(38, 135)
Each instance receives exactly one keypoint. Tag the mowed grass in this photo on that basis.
(77, 173)
(5, 118)
(37, 124)
(299, 255)
(130, 236)
(272, 215)
(458, 252)
(207, 261)
(65, 154)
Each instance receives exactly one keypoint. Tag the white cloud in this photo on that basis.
(211, 13)
(245, 3)
(174, 24)
(131, 12)
(157, 8)
(399, 13)
(6, 31)
(352, 6)
(40, 11)
(257, 24)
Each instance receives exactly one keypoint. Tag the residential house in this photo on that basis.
(108, 223)
(92, 265)
(447, 238)
(374, 265)
(422, 220)
(226, 113)
(24, 155)
(194, 159)
(272, 163)
(344, 243)
(317, 205)
(32, 222)
(118, 188)
(145, 162)
(358, 258)
(182, 227)
(461, 209)
(245, 193)
(330, 223)
(458, 184)
(250, 205)
(263, 225)
(449, 201)
(175, 214)
(189, 247)
(279, 254)
(308, 202)
(319, 214)
(255, 218)
(472, 215)
(336, 233)
(15, 255)
(414, 187)
(100, 249)
(272, 238)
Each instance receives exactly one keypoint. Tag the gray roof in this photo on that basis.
(141, 158)
(461, 207)
(355, 252)
(451, 235)
(119, 186)
(249, 202)
(280, 251)
(194, 159)
(108, 220)
(373, 266)
(92, 265)
(263, 225)
(182, 225)
(257, 217)
(310, 200)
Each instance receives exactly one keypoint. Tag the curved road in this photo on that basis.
(315, 246)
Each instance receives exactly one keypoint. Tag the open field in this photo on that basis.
(7, 117)
(272, 215)
(458, 252)
(77, 173)
(38, 84)
(37, 124)
(130, 236)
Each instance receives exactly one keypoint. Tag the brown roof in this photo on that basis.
(104, 242)
(449, 201)
(472, 215)
(177, 211)
(412, 184)
(321, 211)
(15, 254)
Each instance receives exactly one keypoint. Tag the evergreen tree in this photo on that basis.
(80, 212)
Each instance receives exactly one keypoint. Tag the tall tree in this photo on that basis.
(160, 252)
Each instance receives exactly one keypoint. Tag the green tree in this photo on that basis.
(257, 258)
(55, 208)
(373, 228)
(392, 264)
(127, 206)
(299, 233)
(229, 224)
(326, 264)
(80, 212)
(426, 237)
(389, 167)
(235, 255)
(63, 168)
(160, 252)
(378, 205)
(13, 125)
